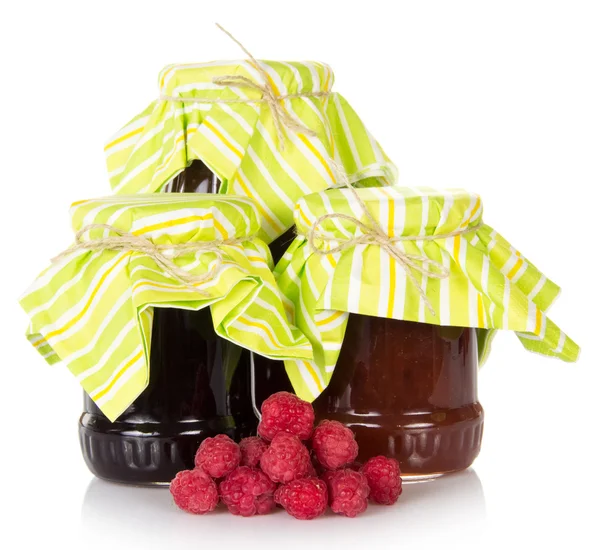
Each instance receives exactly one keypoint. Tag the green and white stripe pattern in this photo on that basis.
(93, 309)
(490, 285)
(238, 142)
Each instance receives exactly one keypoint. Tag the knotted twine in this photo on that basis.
(374, 234)
(269, 97)
(160, 253)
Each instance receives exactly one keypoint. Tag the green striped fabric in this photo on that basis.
(93, 309)
(238, 142)
(490, 284)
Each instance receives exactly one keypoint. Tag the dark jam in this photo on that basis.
(408, 391)
(199, 386)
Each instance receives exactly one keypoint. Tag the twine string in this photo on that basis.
(374, 234)
(162, 254)
(268, 95)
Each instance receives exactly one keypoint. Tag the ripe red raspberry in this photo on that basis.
(383, 477)
(284, 412)
(286, 459)
(334, 444)
(303, 498)
(247, 491)
(252, 449)
(265, 504)
(218, 456)
(194, 492)
(348, 492)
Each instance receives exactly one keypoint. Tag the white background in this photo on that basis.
(502, 98)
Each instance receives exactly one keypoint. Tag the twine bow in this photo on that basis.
(125, 241)
(269, 96)
(374, 234)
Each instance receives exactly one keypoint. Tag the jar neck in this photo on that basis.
(196, 178)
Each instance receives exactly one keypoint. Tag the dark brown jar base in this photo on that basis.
(131, 454)
(426, 445)
(190, 396)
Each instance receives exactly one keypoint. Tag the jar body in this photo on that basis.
(270, 377)
(199, 387)
(408, 391)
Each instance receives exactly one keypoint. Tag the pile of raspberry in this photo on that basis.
(290, 463)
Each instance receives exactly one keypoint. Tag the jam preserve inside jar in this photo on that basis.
(188, 397)
(408, 391)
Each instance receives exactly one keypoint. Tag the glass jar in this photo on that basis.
(199, 386)
(408, 391)
(270, 377)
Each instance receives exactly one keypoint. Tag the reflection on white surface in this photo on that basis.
(452, 506)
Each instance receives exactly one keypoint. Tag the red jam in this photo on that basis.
(408, 391)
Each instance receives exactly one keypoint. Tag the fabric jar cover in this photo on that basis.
(490, 284)
(93, 309)
(239, 141)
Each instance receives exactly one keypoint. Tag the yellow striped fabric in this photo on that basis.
(93, 309)
(238, 142)
(490, 285)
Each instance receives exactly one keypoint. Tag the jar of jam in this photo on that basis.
(190, 394)
(408, 391)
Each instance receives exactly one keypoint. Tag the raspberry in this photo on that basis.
(252, 449)
(194, 492)
(284, 412)
(265, 504)
(303, 498)
(247, 491)
(286, 459)
(383, 477)
(218, 456)
(334, 444)
(348, 492)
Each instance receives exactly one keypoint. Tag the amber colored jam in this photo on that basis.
(408, 391)
(199, 386)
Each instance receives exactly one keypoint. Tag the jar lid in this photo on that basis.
(267, 129)
(401, 211)
(290, 77)
(427, 258)
(92, 307)
(166, 217)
